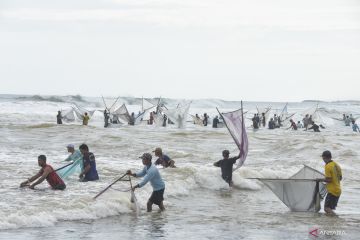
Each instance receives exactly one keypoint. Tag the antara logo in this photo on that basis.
(314, 232)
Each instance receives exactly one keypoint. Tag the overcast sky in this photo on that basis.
(266, 50)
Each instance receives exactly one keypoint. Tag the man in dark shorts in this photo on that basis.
(151, 173)
(46, 172)
(226, 166)
(333, 176)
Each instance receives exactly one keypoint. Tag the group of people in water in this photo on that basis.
(88, 172)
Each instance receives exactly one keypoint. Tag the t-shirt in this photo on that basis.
(333, 171)
(164, 160)
(89, 159)
(151, 174)
(86, 120)
(226, 166)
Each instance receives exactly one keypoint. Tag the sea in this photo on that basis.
(199, 204)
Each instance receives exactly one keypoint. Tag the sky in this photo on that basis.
(254, 50)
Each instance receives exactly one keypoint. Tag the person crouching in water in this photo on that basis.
(163, 159)
(46, 172)
(226, 166)
(151, 174)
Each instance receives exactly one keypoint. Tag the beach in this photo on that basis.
(199, 204)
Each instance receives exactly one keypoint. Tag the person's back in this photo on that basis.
(226, 165)
(299, 125)
(53, 179)
(215, 122)
(86, 119)
(59, 118)
(271, 124)
(333, 171)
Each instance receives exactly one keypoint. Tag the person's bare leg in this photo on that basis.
(149, 206)
(329, 211)
(161, 206)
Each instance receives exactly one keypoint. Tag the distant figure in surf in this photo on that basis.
(299, 125)
(163, 159)
(263, 119)
(306, 121)
(46, 172)
(59, 118)
(293, 125)
(271, 123)
(132, 119)
(215, 122)
(333, 176)
(226, 165)
(205, 120)
(347, 121)
(255, 122)
(106, 118)
(151, 174)
(86, 119)
(355, 127)
(315, 127)
(151, 119)
(164, 120)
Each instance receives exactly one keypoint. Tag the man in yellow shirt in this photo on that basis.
(86, 119)
(333, 176)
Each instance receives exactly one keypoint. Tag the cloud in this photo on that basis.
(174, 13)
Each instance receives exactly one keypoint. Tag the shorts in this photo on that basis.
(227, 179)
(60, 187)
(157, 196)
(331, 201)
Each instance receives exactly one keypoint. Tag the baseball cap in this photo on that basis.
(326, 154)
(70, 145)
(146, 156)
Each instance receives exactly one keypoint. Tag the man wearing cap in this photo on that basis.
(163, 159)
(74, 154)
(226, 166)
(333, 176)
(151, 174)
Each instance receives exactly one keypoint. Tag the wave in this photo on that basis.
(56, 99)
(40, 98)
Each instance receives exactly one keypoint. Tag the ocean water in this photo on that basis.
(198, 202)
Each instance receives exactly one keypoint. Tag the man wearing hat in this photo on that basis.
(333, 176)
(151, 174)
(163, 159)
(74, 154)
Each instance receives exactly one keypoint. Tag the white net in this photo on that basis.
(301, 192)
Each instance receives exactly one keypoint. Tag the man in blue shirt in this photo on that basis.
(151, 174)
(89, 172)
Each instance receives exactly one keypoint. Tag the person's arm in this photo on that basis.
(69, 158)
(46, 172)
(87, 168)
(150, 174)
(87, 165)
(217, 164)
(33, 178)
